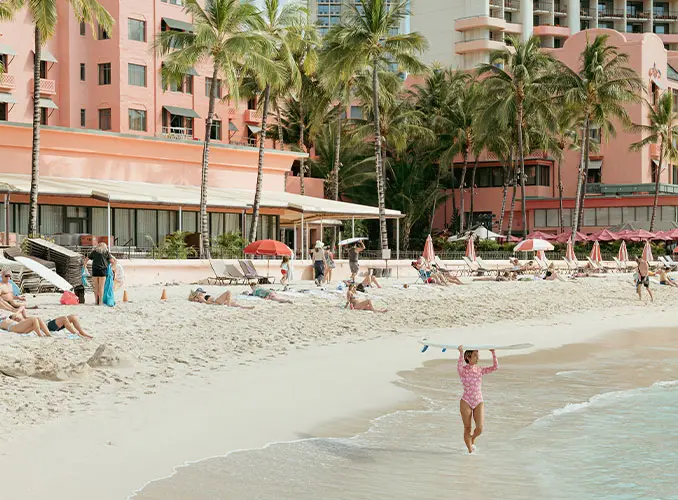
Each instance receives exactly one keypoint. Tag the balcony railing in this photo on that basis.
(178, 133)
(637, 14)
(616, 14)
(7, 82)
(665, 16)
(511, 4)
(47, 87)
(583, 12)
(495, 3)
(252, 116)
(231, 111)
(541, 7)
(559, 9)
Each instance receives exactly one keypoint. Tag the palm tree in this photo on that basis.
(600, 90)
(44, 14)
(365, 39)
(663, 126)
(558, 140)
(515, 75)
(276, 23)
(225, 34)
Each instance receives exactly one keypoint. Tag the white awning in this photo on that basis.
(291, 205)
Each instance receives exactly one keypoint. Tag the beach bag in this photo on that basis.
(80, 293)
(83, 276)
(69, 299)
(109, 297)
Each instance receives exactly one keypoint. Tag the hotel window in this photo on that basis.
(44, 116)
(634, 28)
(538, 175)
(660, 10)
(185, 86)
(136, 30)
(508, 17)
(3, 111)
(215, 132)
(208, 83)
(102, 34)
(356, 113)
(105, 119)
(137, 120)
(584, 24)
(105, 74)
(83, 117)
(82, 72)
(43, 69)
(557, 43)
(594, 134)
(174, 2)
(661, 29)
(136, 75)
(606, 25)
(82, 28)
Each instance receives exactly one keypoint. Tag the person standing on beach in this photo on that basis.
(329, 263)
(471, 404)
(318, 255)
(353, 259)
(101, 258)
(643, 279)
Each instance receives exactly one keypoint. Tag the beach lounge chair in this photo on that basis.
(236, 275)
(542, 265)
(573, 265)
(250, 272)
(445, 270)
(621, 266)
(670, 260)
(474, 267)
(219, 278)
(596, 266)
(484, 265)
(668, 263)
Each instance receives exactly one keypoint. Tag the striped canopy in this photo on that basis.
(470, 249)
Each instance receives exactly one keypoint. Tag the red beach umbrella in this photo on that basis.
(268, 248)
(595, 253)
(428, 252)
(647, 252)
(673, 234)
(623, 254)
(638, 235)
(604, 235)
(471, 249)
(662, 235)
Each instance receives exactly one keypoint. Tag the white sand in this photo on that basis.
(182, 381)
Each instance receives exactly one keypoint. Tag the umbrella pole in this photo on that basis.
(398, 248)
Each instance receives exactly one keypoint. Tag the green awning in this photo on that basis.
(8, 98)
(232, 127)
(254, 129)
(186, 112)
(46, 55)
(175, 24)
(6, 49)
(47, 103)
(192, 72)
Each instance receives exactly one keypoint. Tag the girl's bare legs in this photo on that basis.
(29, 325)
(43, 327)
(366, 305)
(275, 298)
(72, 324)
(466, 418)
(328, 275)
(226, 299)
(98, 283)
(479, 419)
(375, 282)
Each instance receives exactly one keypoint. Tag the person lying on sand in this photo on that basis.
(70, 323)
(521, 268)
(18, 324)
(505, 276)
(225, 299)
(266, 294)
(665, 279)
(352, 302)
(370, 280)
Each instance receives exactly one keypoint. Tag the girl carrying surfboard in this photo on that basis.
(471, 403)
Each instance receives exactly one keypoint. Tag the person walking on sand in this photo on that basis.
(353, 258)
(318, 255)
(643, 278)
(101, 258)
(329, 264)
(471, 403)
(285, 271)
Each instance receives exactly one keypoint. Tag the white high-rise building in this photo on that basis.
(328, 13)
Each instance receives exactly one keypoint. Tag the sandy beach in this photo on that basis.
(178, 382)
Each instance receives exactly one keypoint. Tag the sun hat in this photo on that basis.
(200, 290)
(319, 244)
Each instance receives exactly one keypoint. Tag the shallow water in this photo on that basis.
(593, 421)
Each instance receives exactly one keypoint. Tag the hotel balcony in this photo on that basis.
(587, 13)
(6, 82)
(672, 38)
(611, 14)
(252, 116)
(546, 30)
(47, 87)
(511, 5)
(470, 23)
(177, 133)
(665, 16)
(541, 7)
(478, 45)
(654, 150)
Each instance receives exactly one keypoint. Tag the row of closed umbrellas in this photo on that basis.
(607, 235)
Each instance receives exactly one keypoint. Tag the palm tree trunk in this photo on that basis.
(335, 174)
(575, 215)
(383, 235)
(204, 226)
(454, 199)
(587, 146)
(260, 166)
(302, 161)
(658, 171)
(435, 199)
(35, 152)
(522, 169)
(280, 129)
(513, 203)
(560, 195)
(503, 196)
(473, 188)
(461, 192)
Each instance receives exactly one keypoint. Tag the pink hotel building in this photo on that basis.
(120, 152)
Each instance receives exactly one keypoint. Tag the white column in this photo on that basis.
(295, 241)
(352, 227)
(108, 224)
(526, 18)
(7, 218)
(181, 220)
(573, 13)
(302, 235)
(398, 239)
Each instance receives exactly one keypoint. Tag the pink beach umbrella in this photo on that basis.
(533, 245)
(673, 234)
(663, 236)
(595, 253)
(647, 252)
(541, 236)
(471, 249)
(566, 236)
(604, 235)
(623, 254)
(541, 254)
(428, 252)
(569, 252)
(638, 235)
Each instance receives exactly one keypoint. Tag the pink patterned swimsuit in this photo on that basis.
(472, 379)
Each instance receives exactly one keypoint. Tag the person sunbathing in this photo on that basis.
(426, 273)
(7, 292)
(18, 324)
(521, 268)
(267, 294)
(665, 279)
(70, 323)
(19, 310)
(551, 274)
(225, 299)
(369, 281)
(352, 302)
(445, 276)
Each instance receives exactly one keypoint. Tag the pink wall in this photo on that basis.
(312, 187)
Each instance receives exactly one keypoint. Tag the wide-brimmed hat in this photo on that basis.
(319, 244)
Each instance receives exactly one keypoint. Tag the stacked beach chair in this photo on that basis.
(68, 263)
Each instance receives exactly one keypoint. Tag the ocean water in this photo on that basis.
(593, 421)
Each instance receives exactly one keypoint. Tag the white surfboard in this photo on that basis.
(45, 273)
(426, 343)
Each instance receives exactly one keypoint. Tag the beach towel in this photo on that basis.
(15, 289)
(83, 277)
(109, 296)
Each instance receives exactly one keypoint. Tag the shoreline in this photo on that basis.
(192, 420)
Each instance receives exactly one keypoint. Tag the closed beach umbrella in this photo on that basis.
(595, 253)
(541, 255)
(533, 245)
(428, 253)
(470, 250)
(623, 254)
(647, 252)
(569, 253)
